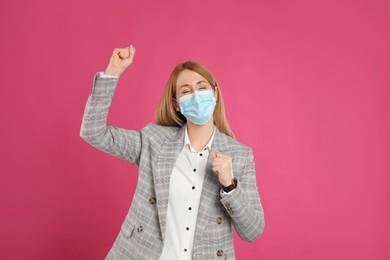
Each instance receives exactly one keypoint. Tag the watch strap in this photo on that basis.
(230, 187)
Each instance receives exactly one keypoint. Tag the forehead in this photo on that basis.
(188, 77)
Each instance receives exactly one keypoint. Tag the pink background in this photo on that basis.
(306, 85)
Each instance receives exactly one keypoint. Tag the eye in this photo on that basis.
(202, 85)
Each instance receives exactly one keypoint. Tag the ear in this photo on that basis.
(216, 92)
(176, 105)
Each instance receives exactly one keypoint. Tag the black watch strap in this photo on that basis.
(230, 187)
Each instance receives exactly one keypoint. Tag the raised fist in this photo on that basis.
(121, 59)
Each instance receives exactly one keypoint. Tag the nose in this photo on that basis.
(196, 95)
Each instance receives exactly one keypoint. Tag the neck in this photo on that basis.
(200, 135)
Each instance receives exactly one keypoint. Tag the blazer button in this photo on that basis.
(218, 220)
(140, 229)
(220, 252)
(152, 200)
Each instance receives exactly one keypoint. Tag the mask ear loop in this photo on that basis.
(177, 109)
(215, 86)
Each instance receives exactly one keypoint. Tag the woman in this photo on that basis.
(195, 180)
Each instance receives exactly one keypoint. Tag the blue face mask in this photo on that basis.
(198, 107)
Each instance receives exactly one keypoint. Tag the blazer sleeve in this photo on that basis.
(125, 144)
(243, 203)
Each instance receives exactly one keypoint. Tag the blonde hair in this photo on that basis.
(166, 114)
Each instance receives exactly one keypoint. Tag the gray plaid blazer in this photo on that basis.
(155, 149)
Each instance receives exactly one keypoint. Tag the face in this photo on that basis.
(188, 81)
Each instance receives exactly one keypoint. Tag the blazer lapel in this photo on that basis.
(164, 166)
(211, 186)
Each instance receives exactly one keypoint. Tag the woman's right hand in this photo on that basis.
(121, 59)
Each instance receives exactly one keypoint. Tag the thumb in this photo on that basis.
(213, 155)
(131, 51)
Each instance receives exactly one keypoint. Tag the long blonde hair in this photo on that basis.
(166, 114)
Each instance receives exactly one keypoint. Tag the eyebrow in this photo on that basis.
(186, 85)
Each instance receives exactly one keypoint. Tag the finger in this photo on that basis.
(220, 159)
(216, 170)
(220, 155)
(131, 53)
(117, 50)
(220, 166)
(213, 155)
(124, 53)
(127, 53)
(121, 52)
(132, 50)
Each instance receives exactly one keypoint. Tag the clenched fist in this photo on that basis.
(222, 165)
(121, 59)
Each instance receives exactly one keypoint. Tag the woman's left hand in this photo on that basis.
(222, 165)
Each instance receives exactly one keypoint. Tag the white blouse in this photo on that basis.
(185, 189)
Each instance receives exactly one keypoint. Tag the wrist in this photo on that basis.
(110, 72)
(227, 182)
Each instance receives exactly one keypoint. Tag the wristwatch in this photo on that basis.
(230, 187)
